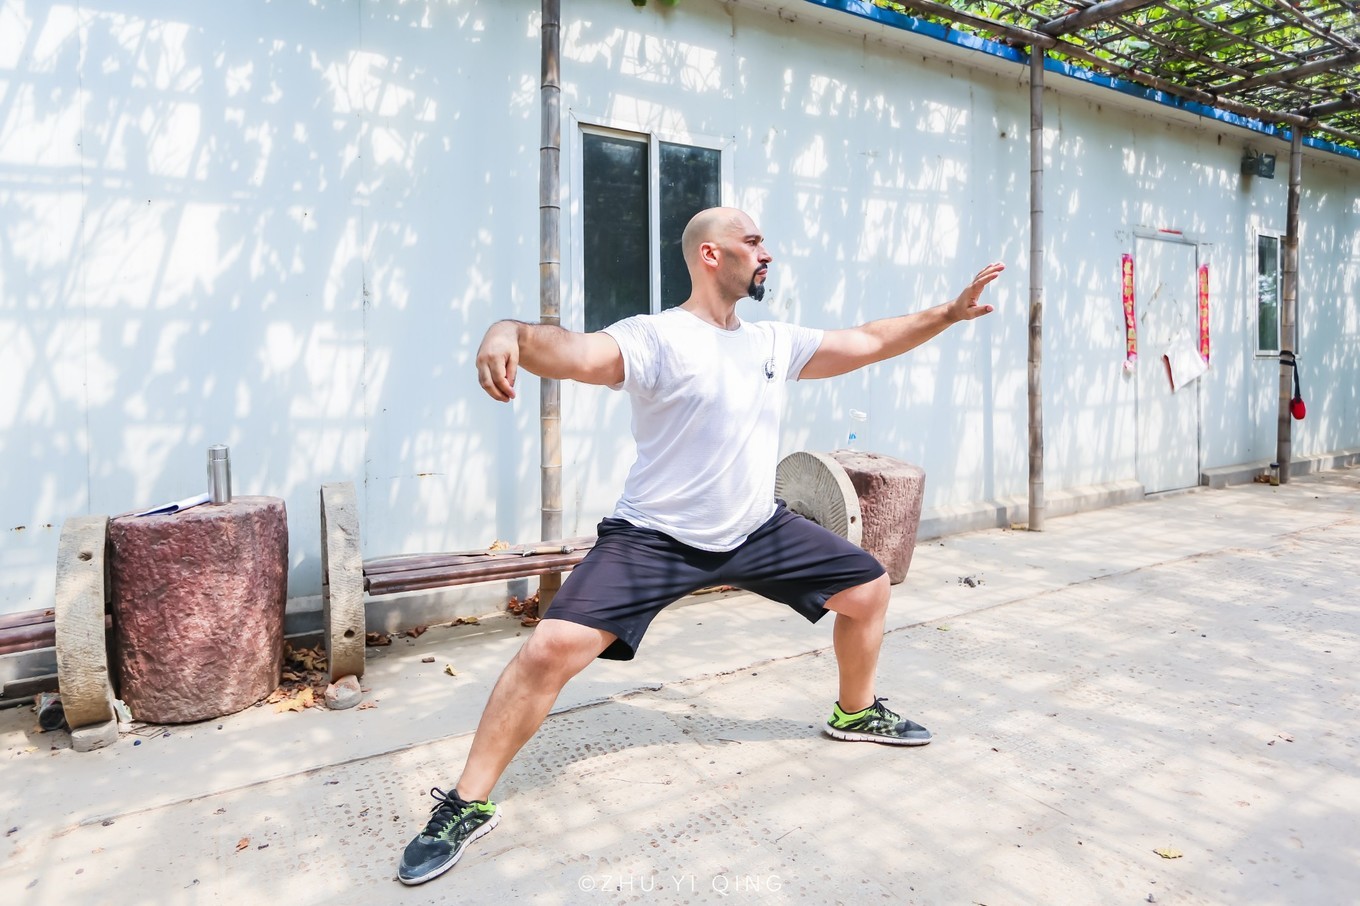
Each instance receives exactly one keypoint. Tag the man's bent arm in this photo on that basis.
(845, 350)
(547, 351)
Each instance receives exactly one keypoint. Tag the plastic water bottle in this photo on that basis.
(855, 436)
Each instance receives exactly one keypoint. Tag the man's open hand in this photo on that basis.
(965, 306)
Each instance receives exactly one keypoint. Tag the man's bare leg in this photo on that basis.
(523, 696)
(857, 639)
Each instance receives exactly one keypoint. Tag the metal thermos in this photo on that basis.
(219, 474)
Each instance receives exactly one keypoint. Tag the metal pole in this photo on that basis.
(1289, 298)
(550, 284)
(1036, 289)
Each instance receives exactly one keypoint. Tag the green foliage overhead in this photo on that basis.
(1244, 55)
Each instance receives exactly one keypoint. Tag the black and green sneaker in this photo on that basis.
(876, 724)
(453, 824)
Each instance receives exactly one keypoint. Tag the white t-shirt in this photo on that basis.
(707, 404)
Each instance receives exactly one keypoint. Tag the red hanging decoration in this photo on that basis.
(1204, 312)
(1130, 322)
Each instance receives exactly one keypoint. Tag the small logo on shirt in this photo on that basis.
(769, 369)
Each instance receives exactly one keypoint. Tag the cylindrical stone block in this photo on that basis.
(198, 601)
(890, 492)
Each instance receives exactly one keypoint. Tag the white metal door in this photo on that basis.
(1166, 297)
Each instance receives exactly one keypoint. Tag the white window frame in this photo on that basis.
(574, 313)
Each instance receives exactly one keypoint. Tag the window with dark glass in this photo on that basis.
(618, 198)
(691, 180)
(615, 229)
(1268, 293)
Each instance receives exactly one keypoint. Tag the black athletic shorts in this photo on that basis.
(632, 573)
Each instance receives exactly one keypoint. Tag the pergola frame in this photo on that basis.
(1295, 64)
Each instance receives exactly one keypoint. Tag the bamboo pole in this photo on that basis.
(1289, 297)
(550, 283)
(1036, 289)
(1294, 73)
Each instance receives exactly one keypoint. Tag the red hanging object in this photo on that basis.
(1297, 408)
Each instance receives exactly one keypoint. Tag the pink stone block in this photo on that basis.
(198, 600)
(890, 492)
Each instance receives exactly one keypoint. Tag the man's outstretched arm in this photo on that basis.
(547, 351)
(854, 347)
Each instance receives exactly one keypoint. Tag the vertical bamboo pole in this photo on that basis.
(1036, 289)
(550, 284)
(1289, 297)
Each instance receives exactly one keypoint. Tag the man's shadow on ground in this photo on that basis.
(569, 742)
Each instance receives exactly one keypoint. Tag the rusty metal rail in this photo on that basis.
(28, 631)
(346, 577)
(420, 572)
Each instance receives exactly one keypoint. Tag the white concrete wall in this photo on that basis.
(276, 226)
(284, 227)
(885, 173)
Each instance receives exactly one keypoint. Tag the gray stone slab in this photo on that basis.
(81, 593)
(342, 581)
(94, 736)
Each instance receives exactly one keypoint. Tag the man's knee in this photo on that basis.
(561, 648)
(867, 600)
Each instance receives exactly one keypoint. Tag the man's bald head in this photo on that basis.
(708, 226)
(725, 254)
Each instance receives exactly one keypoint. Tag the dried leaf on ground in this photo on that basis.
(1167, 852)
(466, 621)
(301, 660)
(526, 610)
(304, 668)
(448, 668)
(364, 706)
(377, 639)
(416, 632)
(499, 545)
(242, 843)
(299, 702)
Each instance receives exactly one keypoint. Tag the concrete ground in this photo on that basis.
(1175, 676)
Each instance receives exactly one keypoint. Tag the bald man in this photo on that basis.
(698, 507)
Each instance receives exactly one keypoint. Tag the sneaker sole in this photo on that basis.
(853, 736)
(478, 834)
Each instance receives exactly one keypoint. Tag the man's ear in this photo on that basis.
(708, 253)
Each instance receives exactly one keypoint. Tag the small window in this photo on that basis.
(621, 193)
(1268, 293)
